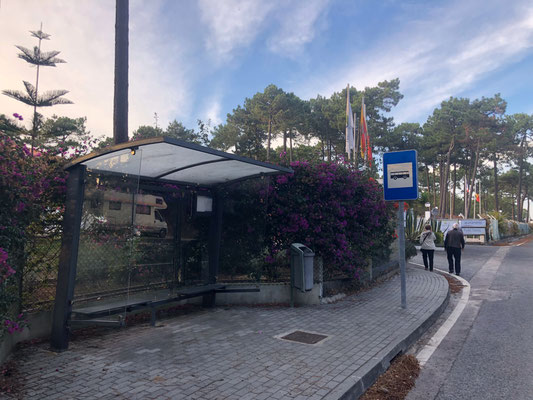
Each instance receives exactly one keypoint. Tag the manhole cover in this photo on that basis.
(304, 337)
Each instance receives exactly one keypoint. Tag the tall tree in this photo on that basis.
(243, 132)
(10, 128)
(480, 127)
(292, 120)
(204, 131)
(522, 130)
(174, 130)
(498, 146)
(31, 96)
(379, 102)
(508, 185)
(405, 136)
(146, 131)
(64, 132)
(120, 106)
(319, 126)
(268, 108)
(441, 131)
(177, 130)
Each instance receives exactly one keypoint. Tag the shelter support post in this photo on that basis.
(68, 258)
(215, 237)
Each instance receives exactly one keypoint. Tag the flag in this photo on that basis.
(363, 131)
(365, 139)
(349, 124)
(368, 150)
(354, 133)
(477, 197)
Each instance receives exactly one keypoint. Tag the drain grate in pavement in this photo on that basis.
(304, 337)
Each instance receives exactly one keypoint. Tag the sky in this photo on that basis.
(191, 60)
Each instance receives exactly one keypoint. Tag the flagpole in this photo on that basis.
(346, 145)
(465, 195)
(475, 201)
(354, 138)
(362, 132)
(480, 196)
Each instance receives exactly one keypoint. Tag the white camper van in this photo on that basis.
(115, 210)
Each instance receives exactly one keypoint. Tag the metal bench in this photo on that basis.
(90, 315)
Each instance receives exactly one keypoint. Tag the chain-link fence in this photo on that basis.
(39, 276)
(134, 240)
(112, 266)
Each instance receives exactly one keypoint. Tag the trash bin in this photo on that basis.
(302, 267)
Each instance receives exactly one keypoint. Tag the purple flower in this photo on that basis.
(20, 206)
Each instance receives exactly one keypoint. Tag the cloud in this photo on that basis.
(437, 57)
(213, 113)
(233, 24)
(160, 77)
(298, 26)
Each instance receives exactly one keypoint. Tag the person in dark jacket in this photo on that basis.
(454, 244)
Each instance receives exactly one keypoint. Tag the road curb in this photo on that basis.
(369, 372)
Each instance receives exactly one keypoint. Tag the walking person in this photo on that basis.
(454, 244)
(427, 246)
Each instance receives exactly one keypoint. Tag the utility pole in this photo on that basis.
(120, 107)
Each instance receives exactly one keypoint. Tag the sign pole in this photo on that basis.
(400, 182)
(401, 244)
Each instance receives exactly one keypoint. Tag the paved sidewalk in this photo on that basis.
(233, 353)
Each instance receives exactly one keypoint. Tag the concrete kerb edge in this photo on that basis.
(371, 370)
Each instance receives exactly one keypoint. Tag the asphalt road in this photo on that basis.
(488, 354)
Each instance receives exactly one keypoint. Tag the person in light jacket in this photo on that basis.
(427, 246)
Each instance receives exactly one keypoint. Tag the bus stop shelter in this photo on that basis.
(129, 222)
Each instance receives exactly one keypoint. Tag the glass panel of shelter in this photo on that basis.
(107, 235)
(139, 239)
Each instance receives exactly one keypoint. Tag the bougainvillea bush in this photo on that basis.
(243, 231)
(333, 209)
(32, 187)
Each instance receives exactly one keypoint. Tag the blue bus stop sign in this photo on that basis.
(400, 175)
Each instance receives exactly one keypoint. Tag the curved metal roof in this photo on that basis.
(168, 159)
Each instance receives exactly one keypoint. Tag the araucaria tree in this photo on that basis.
(31, 96)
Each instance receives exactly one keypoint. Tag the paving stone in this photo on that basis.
(231, 352)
